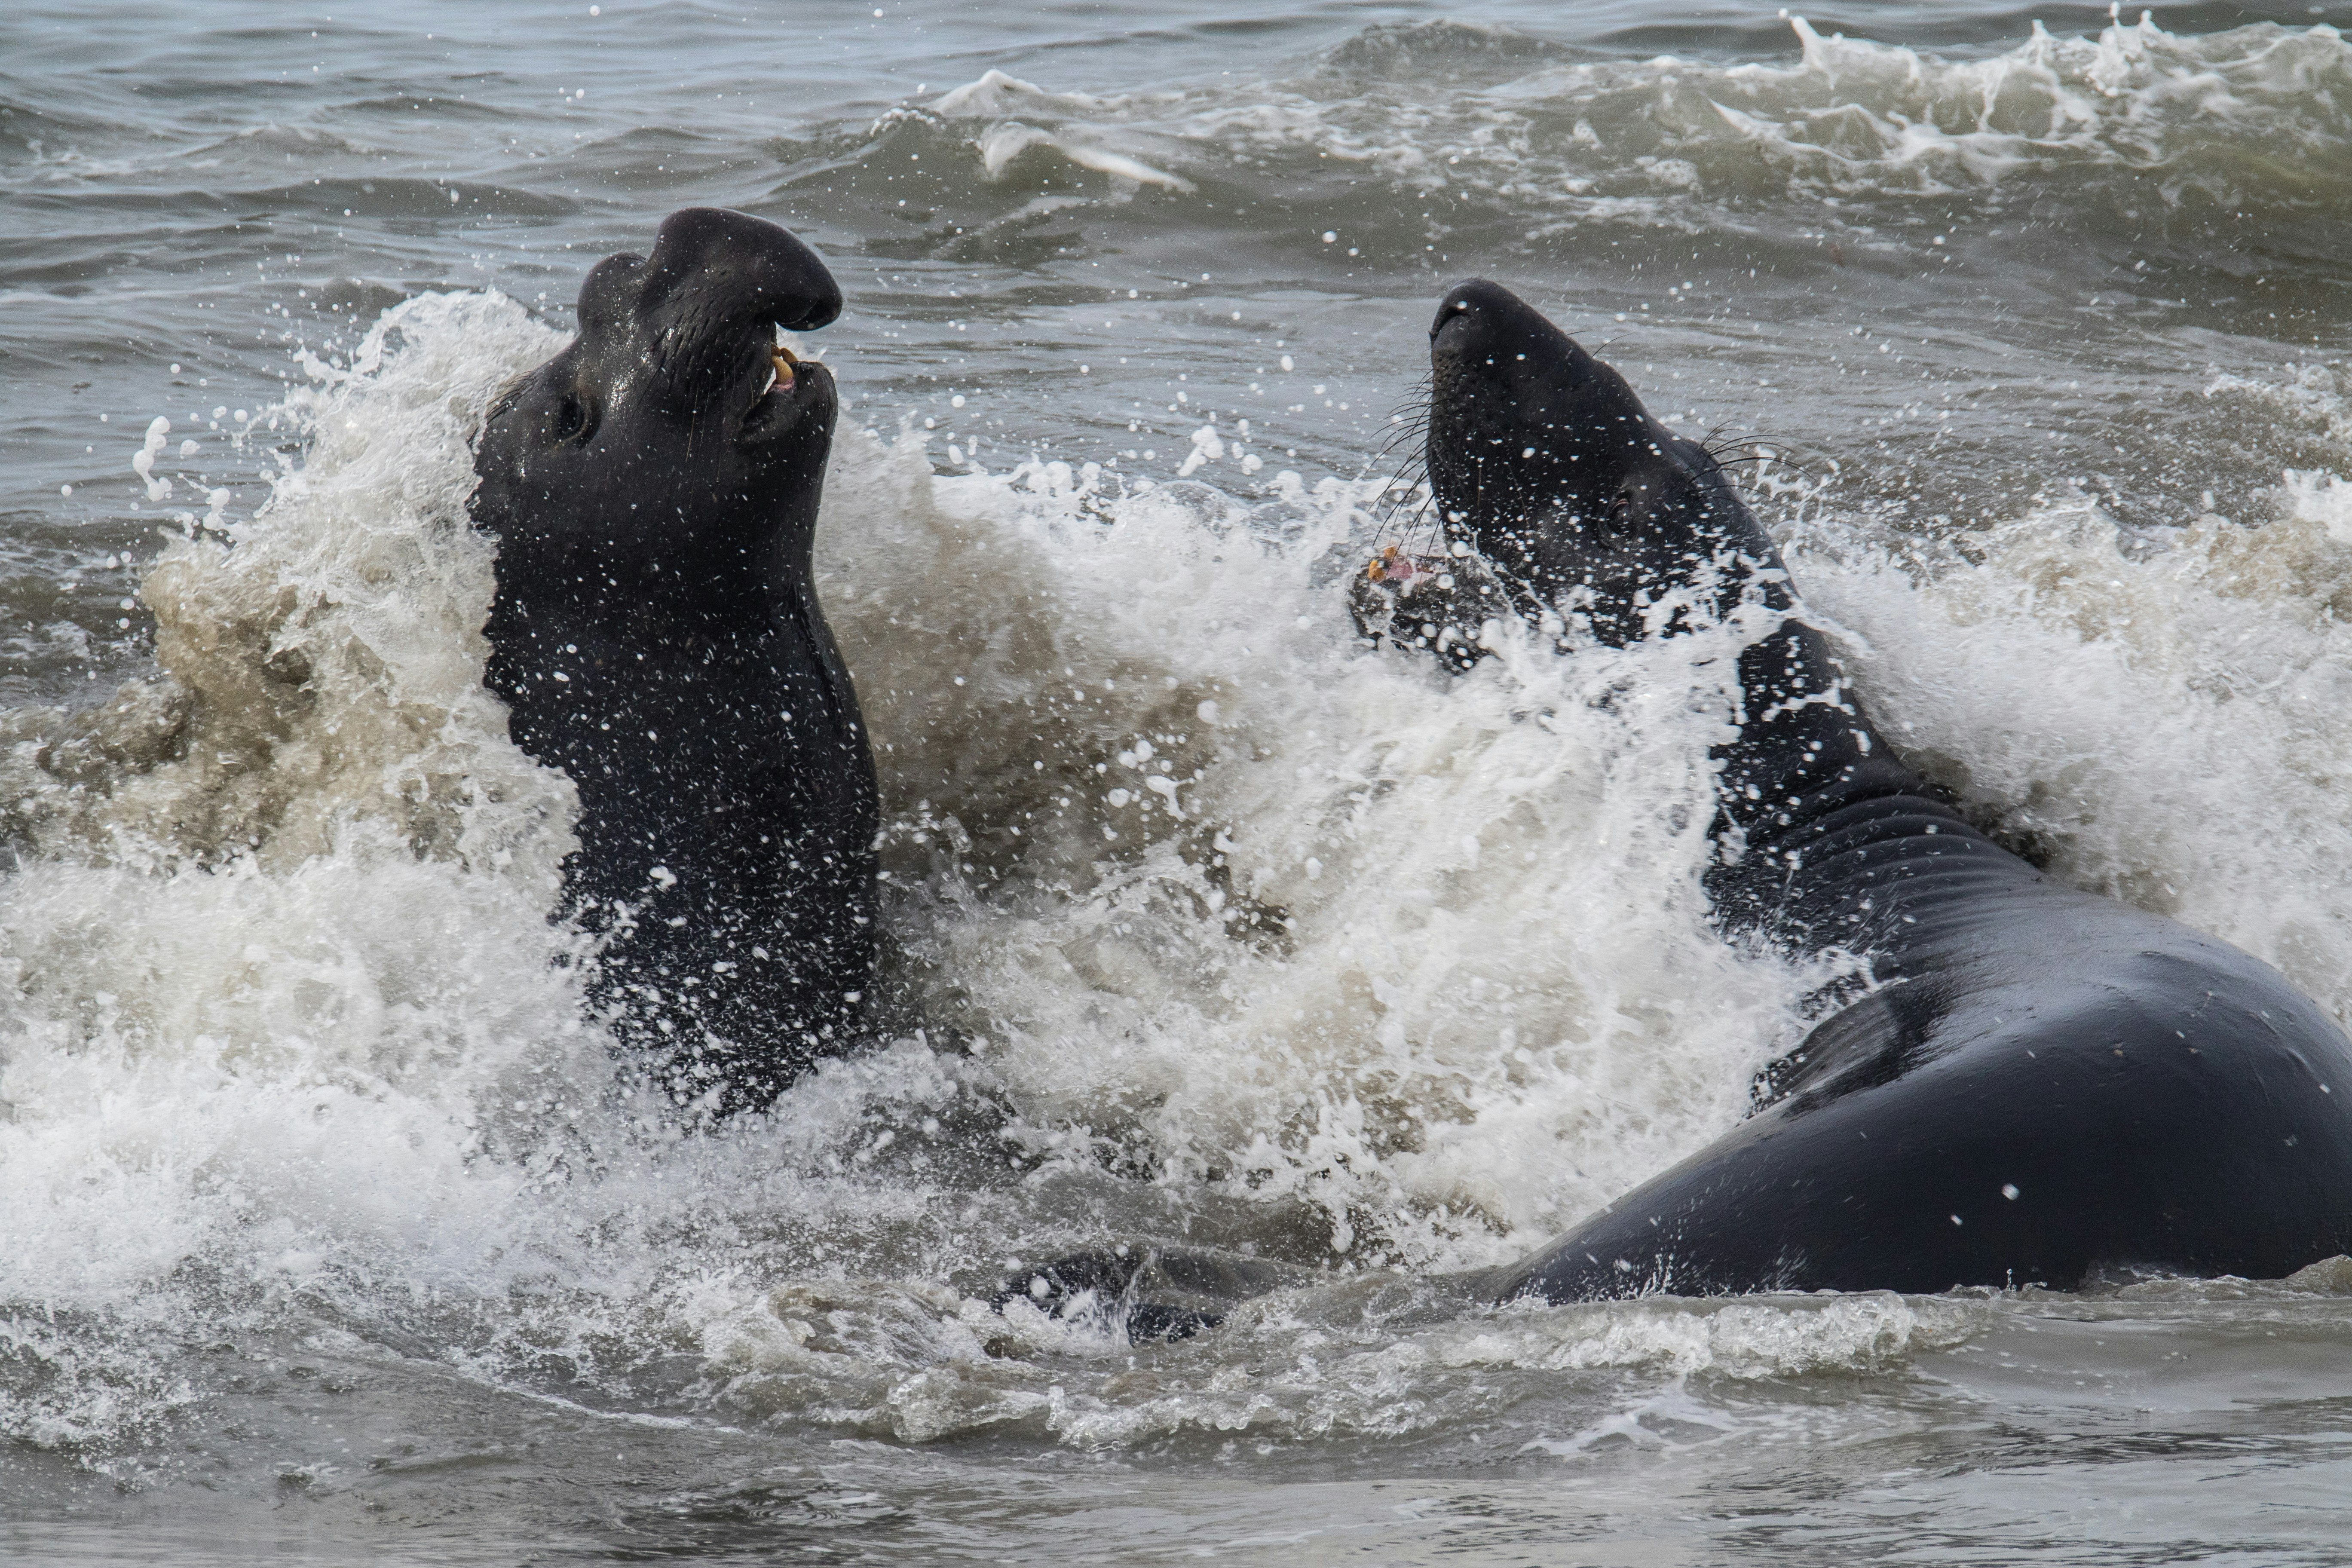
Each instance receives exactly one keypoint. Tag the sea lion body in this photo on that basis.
(2037, 1084)
(2031, 1085)
(657, 635)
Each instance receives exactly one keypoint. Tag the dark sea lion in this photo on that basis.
(657, 635)
(2038, 1085)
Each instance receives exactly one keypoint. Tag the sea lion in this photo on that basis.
(2035, 1085)
(657, 635)
(2038, 1085)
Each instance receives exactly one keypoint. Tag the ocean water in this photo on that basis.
(326, 1234)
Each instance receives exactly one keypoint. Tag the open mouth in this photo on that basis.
(787, 376)
(781, 361)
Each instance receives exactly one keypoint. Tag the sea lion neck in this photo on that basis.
(1543, 459)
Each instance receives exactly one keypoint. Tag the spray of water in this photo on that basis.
(1212, 921)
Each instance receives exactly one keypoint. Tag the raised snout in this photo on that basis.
(1486, 324)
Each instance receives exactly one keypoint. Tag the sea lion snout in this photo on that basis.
(741, 268)
(1480, 317)
(1544, 462)
(690, 330)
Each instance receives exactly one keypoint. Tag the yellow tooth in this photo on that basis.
(782, 360)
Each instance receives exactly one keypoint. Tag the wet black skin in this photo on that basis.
(2042, 1086)
(657, 636)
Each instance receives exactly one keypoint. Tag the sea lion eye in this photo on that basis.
(572, 420)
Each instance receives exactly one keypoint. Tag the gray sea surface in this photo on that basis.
(327, 1231)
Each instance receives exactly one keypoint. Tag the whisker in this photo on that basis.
(1726, 451)
(1404, 515)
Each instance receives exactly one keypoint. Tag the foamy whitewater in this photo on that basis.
(1210, 924)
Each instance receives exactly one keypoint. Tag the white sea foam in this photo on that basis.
(1286, 921)
(2162, 714)
(997, 98)
(916, 1364)
(1372, 939)
(1536, 128)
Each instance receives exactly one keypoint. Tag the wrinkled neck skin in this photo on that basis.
(1544, 462)
(653, 550)
(681, 670)
(1824, 838)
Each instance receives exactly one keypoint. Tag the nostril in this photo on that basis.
(816, 307)
(1464, 338)
(1469, 300)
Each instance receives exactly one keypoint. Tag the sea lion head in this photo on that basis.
(675, 434)
(1543, 460)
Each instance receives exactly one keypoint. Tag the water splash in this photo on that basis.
(1215, 920)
